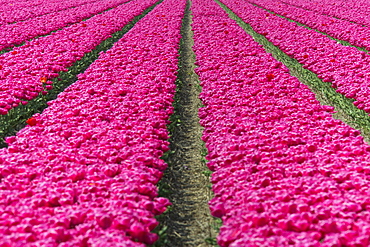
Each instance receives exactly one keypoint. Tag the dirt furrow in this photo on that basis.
(188, 222)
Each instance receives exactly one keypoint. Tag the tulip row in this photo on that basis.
(353, 33)
(25, 72)
(341, 11)
(15, 119)
(345, 68)
(13, 13)
(362, 5)
(83, 172)
(19, 32)
(9, 5)
(286, 172)
(21, 3)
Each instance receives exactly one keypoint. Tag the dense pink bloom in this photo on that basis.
(19, 32)
(351, 10)
(85, 172)
(345, 68)
(46, 56)
(355, 34)
(16, 11)
(286, 173)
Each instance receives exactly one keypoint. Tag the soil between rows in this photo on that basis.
(188, 222)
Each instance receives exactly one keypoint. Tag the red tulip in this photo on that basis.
(31, 121)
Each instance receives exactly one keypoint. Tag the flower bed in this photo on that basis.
(83, 172)
(345, 68)
(285, 172)
(355, 11)
(19, 32)
(353, 33)
(25, 72)
(12, 12)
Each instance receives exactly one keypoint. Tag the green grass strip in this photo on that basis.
(346, 110)
(15, 119)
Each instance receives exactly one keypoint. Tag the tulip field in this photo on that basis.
(84, 136)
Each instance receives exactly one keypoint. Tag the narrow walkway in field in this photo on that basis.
(346, 111)
(189, 222)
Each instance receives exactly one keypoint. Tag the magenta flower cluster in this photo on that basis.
(25, 72)
(352, 10)
(345, 68)
(14, 12)
(84, 173)
(353, 33)
(286, 173)
(19, 32)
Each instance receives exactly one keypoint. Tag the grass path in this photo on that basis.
(188, 222)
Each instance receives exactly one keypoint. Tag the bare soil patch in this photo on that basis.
(188, 222)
